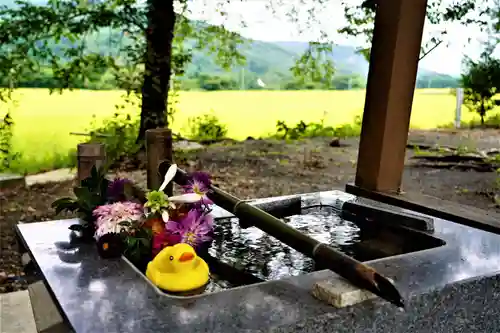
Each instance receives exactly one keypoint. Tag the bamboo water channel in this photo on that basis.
(355, 272)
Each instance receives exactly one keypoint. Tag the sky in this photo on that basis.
(262, 24)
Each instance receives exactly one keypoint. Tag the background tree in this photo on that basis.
(361, 17)
(481, 83)
(160, 41)
(157, 34)
(142, 65)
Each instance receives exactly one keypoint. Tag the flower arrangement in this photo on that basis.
(123, 220)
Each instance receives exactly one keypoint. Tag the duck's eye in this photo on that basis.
(171, 258)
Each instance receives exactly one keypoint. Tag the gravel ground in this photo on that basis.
(259, 168)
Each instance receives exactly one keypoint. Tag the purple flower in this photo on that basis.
(195, 229)
(199, 183)
(116, 189)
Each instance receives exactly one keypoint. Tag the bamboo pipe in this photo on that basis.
(355, 272)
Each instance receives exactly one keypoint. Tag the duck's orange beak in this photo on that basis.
(186, 256)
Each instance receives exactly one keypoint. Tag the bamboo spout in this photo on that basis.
(355, 272)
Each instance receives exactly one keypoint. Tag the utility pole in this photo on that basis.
(458, 108)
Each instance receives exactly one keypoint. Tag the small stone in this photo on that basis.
(335, 142)
(25, 259)
(340, 292)
(3, 277)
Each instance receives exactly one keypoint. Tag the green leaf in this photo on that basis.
(65, 204)
(145, 242)
(132, 241)
(62, 201)
(80, 191)
(83, 194)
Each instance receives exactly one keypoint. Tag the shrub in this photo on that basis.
(349, 130)
(311, 130)
(118, 133)
(493, 121)
(7, 155)
(205, 128)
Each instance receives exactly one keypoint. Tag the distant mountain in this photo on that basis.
(345, 58)
(270, 61)
(262, 57)
(280, 56)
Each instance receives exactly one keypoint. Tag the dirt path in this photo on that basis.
(258, 168)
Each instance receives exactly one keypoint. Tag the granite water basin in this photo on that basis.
(243, 256)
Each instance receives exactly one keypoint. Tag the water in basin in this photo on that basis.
(252, 250)
(241, 256)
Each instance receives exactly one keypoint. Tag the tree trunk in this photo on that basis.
(482, 113)
(159, 36)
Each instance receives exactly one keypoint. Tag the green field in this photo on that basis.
(44, 121)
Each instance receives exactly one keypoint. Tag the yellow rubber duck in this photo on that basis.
(178, 269)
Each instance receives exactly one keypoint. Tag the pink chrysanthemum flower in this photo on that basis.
(109, 216)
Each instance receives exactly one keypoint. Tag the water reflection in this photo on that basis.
(479, 251)
(253, 251)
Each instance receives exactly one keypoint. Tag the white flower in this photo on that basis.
(164, 215)
(184, 198)
(169, 176)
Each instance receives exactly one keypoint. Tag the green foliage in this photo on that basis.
(481, 82)
(216, 81)
(206, 128)
(339, 82)
(213, 83)
(30, 32)
(7, 156)
(311, 130)
(492, 121)
(315, 64)
(360, 17)
(142, 63)
(90, 194)
(118, 133)
(137, 244)
(349, 130)
(156, 201)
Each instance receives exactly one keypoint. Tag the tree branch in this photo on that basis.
(430, 50)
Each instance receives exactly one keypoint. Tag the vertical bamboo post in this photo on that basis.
(158, 149)
(89, 154)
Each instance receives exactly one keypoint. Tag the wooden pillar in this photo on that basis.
(88, 155)
(394, 58)
(158, 149)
